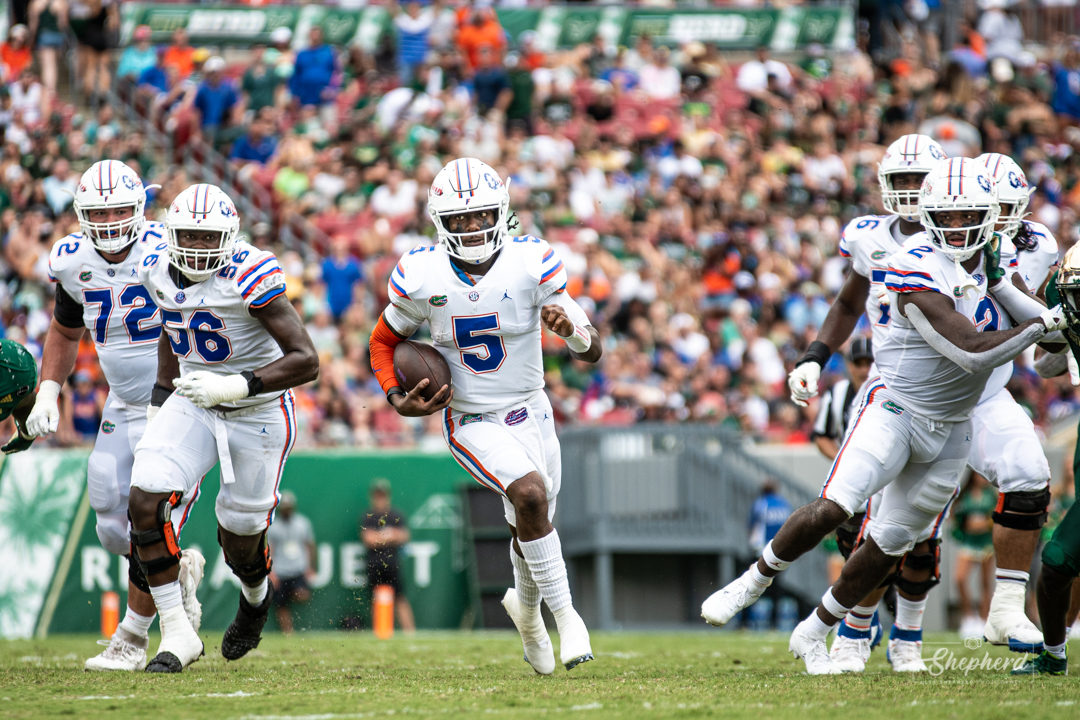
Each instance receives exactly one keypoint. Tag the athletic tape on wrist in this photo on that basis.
(772, 561)
(580, 340)
(832, 606)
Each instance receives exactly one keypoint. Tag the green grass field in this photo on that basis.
(669, 675)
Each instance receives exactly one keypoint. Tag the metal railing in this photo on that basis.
(656, 488)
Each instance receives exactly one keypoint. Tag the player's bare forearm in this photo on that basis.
(60, 352)
(22, 411)
(168, 366)
(845, 312)
(300, 363)
(942, 315)
(555, 319)
(828, 447)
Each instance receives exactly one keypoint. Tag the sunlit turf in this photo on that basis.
(638, 675)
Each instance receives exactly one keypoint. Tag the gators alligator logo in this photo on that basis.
(107, 427)
(86, 275)
(892, 407)
(878, 254)
(468, 419)
(437, 300)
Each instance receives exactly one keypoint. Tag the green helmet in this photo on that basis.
(1067, 284)
(18, 375)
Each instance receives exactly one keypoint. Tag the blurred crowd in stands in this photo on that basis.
(696, 198)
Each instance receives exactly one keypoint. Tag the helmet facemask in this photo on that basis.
(1012, 214)
(459, 231)
(976, 234)
(904, 203)
(111, 237)
(199, 263)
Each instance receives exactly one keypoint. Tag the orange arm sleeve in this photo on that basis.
(381, 348)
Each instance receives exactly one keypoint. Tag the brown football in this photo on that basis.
(414, 361)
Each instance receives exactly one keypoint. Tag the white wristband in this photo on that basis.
(580, 340)
(48, 391)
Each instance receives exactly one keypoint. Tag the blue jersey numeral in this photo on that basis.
(142, 309)
(467, 334)
(204, 326)
(67, 249)
(104, 300)
(867, 223)
(920, 251)
(987, 315)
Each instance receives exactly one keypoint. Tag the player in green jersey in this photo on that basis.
(1061, 555)
(18, 378)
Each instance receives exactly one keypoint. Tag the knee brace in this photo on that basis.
(135, 573)
(162, 533)
(847, 535)
(921, 561)
(1025, 510)
(251, 573)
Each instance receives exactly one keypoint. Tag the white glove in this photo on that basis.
(205, 389)
(803, 382)
(1054, 319)
(883, 296)
(44, 417)
(1074, 369)
(151, 412)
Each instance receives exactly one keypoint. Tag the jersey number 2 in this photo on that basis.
(141, 309)
(469, 333)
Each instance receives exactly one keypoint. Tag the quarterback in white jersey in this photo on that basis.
(98, 290)
(486, 296)
(911, 438)
(232, 348)
(1005, 448)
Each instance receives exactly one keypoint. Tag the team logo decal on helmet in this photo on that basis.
(201, 208)
(107, 186)
(462, 189)
(1011, 188)
(958, 185)
(910, 154)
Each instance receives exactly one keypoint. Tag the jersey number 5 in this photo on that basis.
(469, 333)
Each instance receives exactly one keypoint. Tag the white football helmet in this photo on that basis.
(465, 186)
(959, 184)
(1012, 189)
(909, 154)
(201, 207)
(110, 184)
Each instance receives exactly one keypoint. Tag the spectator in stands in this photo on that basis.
(292, 545)
(491, 83)
(84, 403)
(1066, 102)
(282, 58)
(27, 97)
(95, 24)
(155, 79)
(482, 30)
(215, 99)
(48, 21)
(396, 198)
(974, 530)
(257, 145)
(384, 531)
(753, 75)
(413, 28)
(659, 79)
(138, 57)
(340, 274)
(520, 110)
(15, 53)
(60, 186)
(1001, 29)
(261, 85)
(180, 56)
(314, 74)
(767, 515)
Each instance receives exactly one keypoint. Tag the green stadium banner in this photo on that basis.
(557, 26)
(57, 586)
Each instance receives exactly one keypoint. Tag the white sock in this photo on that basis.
(909, 613)
(833, 607)
(1018, 577)
(759, 578)
(255, 594)
(815, 626)
(136, 624)
(167, 596)
(1057, 651)
(861, 617)
(527, 592)
(545, 561)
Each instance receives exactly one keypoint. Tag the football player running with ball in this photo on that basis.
(912, 437)
(97, 289)
(486, 295)
(233, 347)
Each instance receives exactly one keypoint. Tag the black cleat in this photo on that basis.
(165, 662)
(245, 632)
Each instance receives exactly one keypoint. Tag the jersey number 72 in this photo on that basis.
(140, 309)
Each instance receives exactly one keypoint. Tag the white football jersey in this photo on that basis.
(487, 328)
(209, 323)
(118, 311)
(869, 241)
(1034, 267)
(927, 382)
